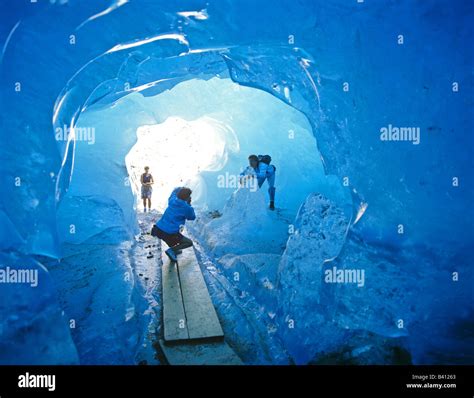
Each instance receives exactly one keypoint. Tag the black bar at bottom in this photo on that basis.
(314, 381)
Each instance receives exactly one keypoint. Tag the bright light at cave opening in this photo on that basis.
(176, 151)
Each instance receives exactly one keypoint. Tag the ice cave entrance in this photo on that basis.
(206, 131)
(177, 152)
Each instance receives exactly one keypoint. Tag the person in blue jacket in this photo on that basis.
(260, 168)
(168, 226)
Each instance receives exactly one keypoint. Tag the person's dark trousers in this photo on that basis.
(184, 244)
(176, 241)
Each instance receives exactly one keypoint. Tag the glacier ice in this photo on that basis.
(31, 317)
(338, 70)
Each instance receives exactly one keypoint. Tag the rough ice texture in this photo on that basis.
(320, 231)
(246, 226)
(406, 300)
(33, 328)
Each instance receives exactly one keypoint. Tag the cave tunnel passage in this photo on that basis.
(199, 133)
(207, 130)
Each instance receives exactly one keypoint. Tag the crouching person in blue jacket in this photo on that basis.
(168, 226)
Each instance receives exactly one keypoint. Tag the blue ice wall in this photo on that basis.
(352, 68)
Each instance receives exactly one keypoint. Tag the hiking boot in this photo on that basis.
(272, 205)
(171, 254)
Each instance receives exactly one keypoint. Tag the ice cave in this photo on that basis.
(366, 110)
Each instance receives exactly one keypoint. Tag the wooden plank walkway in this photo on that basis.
(201, 316)
(214, 353)
(174, 317)
(192, 332)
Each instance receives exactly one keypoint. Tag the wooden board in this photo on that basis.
(174, 317)
(201, 316)
(217, 353)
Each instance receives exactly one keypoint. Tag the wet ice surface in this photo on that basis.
(113, 294)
